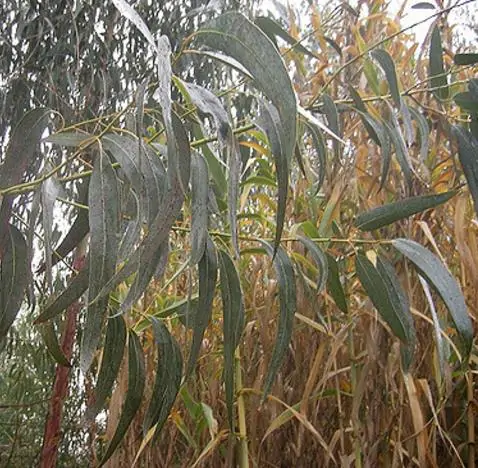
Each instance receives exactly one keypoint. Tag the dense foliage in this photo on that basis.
(256, 238)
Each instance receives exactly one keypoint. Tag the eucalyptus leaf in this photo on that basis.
(388, 214)
(13, 278)
(113, 351)
(104, 225)
(47, 331)
(437, 75)
(436, 274)
(287, 307)
(134, 394)
(233, 311)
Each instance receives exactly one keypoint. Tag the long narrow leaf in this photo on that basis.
(287, 305)
(433, 270)
(104, 224)
(233, 310)
(113, 351)
(134, 394)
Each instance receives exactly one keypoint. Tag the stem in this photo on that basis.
(52, 435)
(241, 415)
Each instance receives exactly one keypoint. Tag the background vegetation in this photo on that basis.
(265, 261)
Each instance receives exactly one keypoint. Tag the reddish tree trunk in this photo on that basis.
(51, 436)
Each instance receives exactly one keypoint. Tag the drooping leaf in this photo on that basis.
(233, 311)
(334, 285)
(465, 59)
(113, 351)
(208, 103)
(47, 331)
(23, 142)
(49, 192)
(104, 224)
(437, 75)
(401, 152)
(143, 169)
(321, 151)
(273, 28)
(270, 122)
(235, 35)
(287, 307)
(360, 106)
(168, 378)
(468, 154)
(13, 278)
(439, 342)
(199, 212)
(330, 110)
(147, 268)
(234, 158)
(207, 268)
(132, 15)
(433, 270)
(378, 289)
(386, 62)
(77, 286)
(423, 131)
(134, 394)
(399, 300)
(320, 259)
(388, 214)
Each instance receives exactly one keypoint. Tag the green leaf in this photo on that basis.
(73, 139)
(423, 131)
(401, 152)
(18, 156)
(334, 285)
(207, 284)
(47, 331)
(389, 306)
(466, 101)
(320, 259)
(233, 311)
(332, 115)
(199, 212)
(134, 394)
(273, 28)
(208, 103)
(233, 34)
(399, 300)
(321, 151)
(50, 190)
(104, 223)
(363, 113)
(13, 278)
(77, 286)
(465, 59)
(468, 154)
(437, 75)
(225, 59)
(386, 62)
(423, 6)
(113, 351)
(168, 378)
(270, 122)
(388, 214)
(287, 307)
(433, 270)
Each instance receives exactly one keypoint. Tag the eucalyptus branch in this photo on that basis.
(378, 44)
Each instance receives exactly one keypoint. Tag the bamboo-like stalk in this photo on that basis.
(241, 415)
